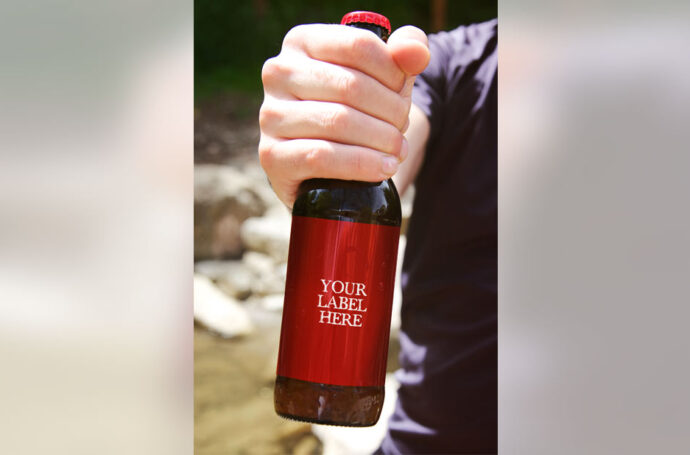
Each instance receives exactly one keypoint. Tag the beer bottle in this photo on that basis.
(339, 293)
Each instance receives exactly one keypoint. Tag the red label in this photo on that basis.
(338, 298)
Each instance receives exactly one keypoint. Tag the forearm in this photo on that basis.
(417, 135)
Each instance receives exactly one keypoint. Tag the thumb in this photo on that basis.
(410, 49)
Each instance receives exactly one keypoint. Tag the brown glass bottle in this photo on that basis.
(340, 229)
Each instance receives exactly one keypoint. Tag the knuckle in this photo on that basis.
(346, 86)
(269, 115)
(362, 45)
(273, 71)
(266, 154)
(269, 71)
(314, 158)
(295, 36)
(337, 118)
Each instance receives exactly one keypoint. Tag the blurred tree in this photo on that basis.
(438, 15)
(232, 39)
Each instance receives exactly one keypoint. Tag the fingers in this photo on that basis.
(336, 102)
(347, 46)
(288, 162)
(410, 49)
(329, 121)
(322, 81)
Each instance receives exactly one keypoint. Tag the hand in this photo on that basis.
(336, 105)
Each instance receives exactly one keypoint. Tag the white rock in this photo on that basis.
(406, 204)
(225, 184)
(278, 210)
(269, 278)
(260, 184)
(232, 277)
(223, 199)
(272, 302)
(359, 441)
(281, 270)
(397, 293)
(268, 284)
(269, 235)
(217, 311)
(258, 263)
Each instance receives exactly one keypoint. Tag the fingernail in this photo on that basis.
(404, 150)
(390, 165)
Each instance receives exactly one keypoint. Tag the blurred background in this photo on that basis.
(97, 118)
(241, 230)
(96, 145)
(233, 39)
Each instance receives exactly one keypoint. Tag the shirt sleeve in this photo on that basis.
(430, 91)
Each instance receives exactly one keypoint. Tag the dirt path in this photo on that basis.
(226, 129)
(233, 398)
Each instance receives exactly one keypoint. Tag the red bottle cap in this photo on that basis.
(367, 17)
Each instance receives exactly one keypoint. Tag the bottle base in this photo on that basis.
(324, 422)
(327, 404)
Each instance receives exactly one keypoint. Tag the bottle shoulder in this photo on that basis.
(347, 200)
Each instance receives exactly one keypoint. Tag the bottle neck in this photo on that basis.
(377, 29)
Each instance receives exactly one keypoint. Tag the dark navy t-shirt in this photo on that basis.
(448, 395)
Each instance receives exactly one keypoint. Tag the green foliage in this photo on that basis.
(244, 78)
(232, 39)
